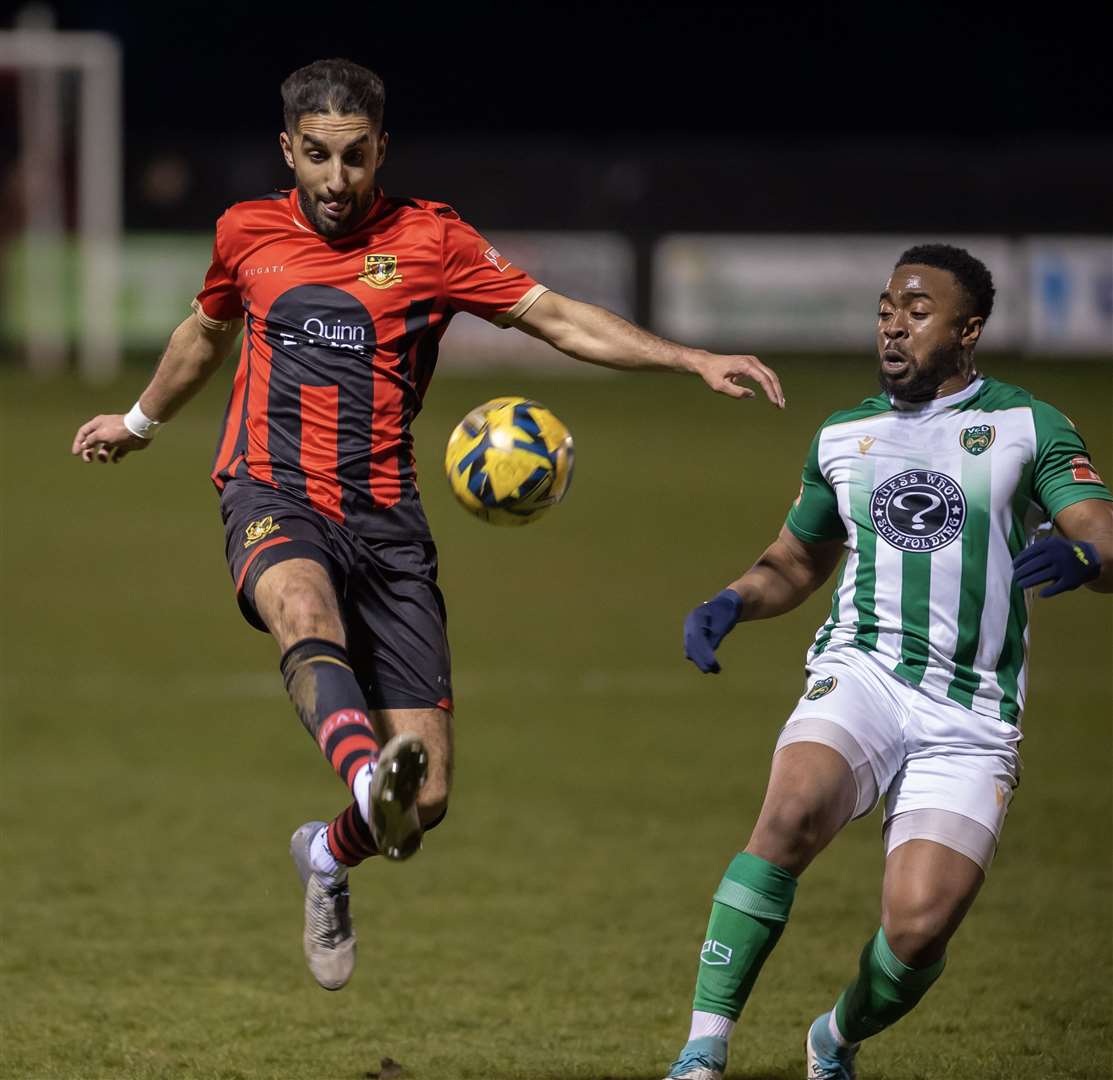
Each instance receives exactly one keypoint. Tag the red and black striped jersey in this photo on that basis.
(340, 342)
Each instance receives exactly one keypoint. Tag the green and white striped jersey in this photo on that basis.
(934, 501)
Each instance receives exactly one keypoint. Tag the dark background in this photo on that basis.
(861, 117)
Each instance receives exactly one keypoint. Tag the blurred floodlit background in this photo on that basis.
(735, 176)
(739, 176)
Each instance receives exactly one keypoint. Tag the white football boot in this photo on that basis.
(328, 938)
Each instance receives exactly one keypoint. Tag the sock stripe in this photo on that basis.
(345, 735)
(340, 851)
(344, 721)
(360, 829)
(750, 901)
(343, 828)
(326, 660)
(349, 838)
(350, 764)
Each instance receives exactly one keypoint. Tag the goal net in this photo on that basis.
(61, 247)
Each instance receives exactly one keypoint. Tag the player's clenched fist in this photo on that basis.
(706, 627)
(106, 438)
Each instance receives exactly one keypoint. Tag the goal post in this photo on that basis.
(40, 58)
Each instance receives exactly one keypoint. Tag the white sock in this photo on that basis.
(322, 859)
(833, 1028)
(361, 789)
(705, 1024)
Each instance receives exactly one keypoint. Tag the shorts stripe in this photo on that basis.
(251, 558)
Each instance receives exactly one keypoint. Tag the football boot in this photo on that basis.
(826, 1059)
(398, 777)
(328, 939)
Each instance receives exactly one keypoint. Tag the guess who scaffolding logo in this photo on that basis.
(918, 510)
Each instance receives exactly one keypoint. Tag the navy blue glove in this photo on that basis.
(1065, 563)
(705, 627)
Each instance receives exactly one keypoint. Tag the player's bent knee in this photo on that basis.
(796, 821)
(433, 797)
(918, 939)
(790, 833)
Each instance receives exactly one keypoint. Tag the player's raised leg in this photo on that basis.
(810, 796)
(296, 599)
(927, 891)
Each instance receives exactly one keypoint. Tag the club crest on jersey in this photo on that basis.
(380, 271)
(260, 529)
(978, 439)
(821, 688)
(918, 510)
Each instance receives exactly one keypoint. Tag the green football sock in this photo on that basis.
(748, 914)
(886, 988)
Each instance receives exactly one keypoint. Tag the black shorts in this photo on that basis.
(387, 589)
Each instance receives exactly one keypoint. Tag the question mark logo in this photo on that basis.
(918, 510)
(934, 502)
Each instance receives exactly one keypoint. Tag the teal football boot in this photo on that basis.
(826, 1059)
(701, 1059)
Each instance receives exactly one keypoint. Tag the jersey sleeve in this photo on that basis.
(814, 516)
(219, 302)
(481, 281)
(1063, 472)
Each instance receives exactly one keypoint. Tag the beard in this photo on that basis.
(924, 377)
(329, 229)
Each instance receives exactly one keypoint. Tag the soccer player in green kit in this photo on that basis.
(942, 491)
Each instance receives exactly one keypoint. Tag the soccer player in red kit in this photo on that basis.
(344, 294)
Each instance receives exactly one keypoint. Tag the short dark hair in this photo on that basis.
(972, 274)
(338, 86)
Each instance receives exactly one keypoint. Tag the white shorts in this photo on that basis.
(951, 768)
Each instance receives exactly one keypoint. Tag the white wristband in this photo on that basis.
(140, 424)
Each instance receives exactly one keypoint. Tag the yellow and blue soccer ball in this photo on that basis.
(509, 460)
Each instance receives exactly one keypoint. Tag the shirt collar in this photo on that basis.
(303, 223)
(938, 404)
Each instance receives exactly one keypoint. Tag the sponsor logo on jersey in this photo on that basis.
(715, 953)
(918, 510)
(380, 271)
(1083, 471)
(978, 439)
(332, 333)
(865, 443)
(495, 258)
(260, 529)
(821, 688)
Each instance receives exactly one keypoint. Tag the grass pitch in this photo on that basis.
(151, 772)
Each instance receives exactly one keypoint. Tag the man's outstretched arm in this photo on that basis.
(787, 573)
(192, 355)
(597, 336)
